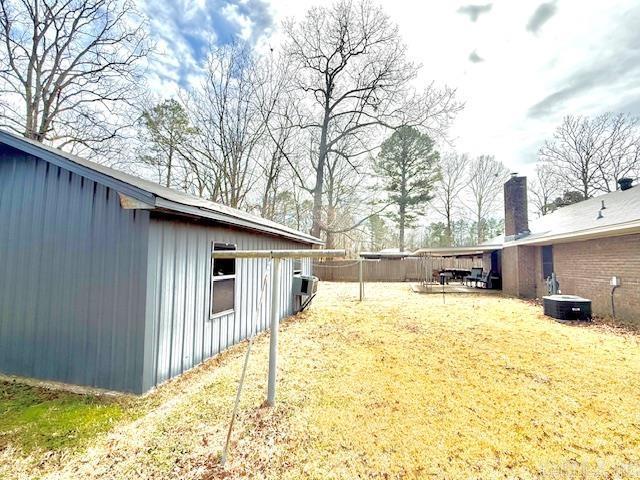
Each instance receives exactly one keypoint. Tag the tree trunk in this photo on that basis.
(449, 229)
(169, 165)
(331, 237)
(331, 216)
(401, 228)
(316, 226)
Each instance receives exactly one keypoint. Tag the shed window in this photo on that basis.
(223, 281)
(547, 261)
(297, 266)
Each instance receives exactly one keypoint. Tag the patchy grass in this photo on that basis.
(399, 386)
(33, 418)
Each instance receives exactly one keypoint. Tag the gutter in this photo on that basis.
(626, 228)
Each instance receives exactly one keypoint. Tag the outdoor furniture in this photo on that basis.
(445, 277)
(476, 274)
(456, 273)
(485, 280)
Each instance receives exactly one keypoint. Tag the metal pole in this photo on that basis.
(360, 279)
(223, 459)
(311, 253)
(275, 324)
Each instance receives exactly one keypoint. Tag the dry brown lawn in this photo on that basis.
(399, 386)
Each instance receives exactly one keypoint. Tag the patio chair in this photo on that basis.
(485, 280)
(476, 274)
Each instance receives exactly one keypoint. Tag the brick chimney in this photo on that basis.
(516, 217)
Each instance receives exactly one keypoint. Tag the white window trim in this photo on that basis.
(219, 278)
(224, 313)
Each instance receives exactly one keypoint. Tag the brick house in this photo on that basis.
(584, 244)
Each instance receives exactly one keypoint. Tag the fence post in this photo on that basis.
(360, 279)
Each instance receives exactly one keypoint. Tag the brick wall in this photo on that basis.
(585, 269)
(519, 271)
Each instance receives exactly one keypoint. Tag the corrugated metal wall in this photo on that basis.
(72, 277)
(179, 333)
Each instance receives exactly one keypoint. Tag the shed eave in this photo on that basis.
(175, 207)
(47, 154)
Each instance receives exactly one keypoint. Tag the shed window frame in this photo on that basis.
(547, 261)
(230, 265)
(298, 267)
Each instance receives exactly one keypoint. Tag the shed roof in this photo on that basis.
(151, 194)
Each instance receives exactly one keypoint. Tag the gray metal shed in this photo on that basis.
(106, 279)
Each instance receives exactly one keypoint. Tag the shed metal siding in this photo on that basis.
(179, 333)
(72, 277)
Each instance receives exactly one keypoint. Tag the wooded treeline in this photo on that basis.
(329, 132)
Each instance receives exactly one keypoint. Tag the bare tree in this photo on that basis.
(280, 148)
(621, 152)
(591, 154)
(544, 188)
(487, 177)
(353, 73)
(453, 180)
(231, 129)
(68, 67)
(343, 179)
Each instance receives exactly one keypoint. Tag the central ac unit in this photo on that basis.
(567, 307)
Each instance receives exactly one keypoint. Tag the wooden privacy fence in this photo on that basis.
(410, 269)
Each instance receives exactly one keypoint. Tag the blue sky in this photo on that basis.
(185, 29)
(519, 66)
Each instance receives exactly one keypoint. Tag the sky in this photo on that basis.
(519, 66)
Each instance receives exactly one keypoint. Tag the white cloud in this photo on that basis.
(586, 51)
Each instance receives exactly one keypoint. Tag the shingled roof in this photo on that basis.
(615, 213)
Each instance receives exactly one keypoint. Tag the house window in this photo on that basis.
(547, 261)
(223, 281)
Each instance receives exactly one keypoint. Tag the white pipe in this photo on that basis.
(273, 336)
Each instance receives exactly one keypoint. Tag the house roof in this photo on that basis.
(152, 195)
(581, 221)
(587, 219)
(457, 251)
